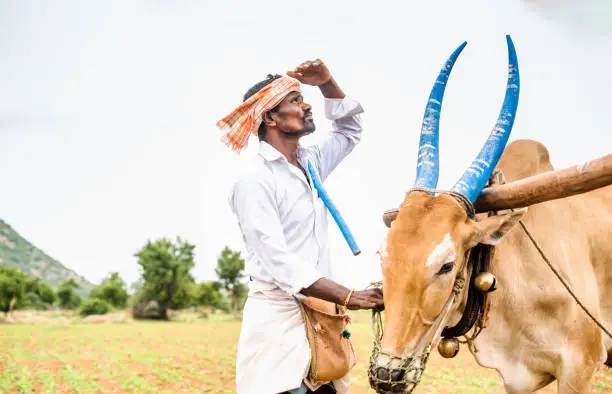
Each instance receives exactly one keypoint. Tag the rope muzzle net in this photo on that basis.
(392, 373)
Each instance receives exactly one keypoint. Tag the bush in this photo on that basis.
(95, 306)
(209, 294)
(143, 308)
(113, 290)
(33, 301)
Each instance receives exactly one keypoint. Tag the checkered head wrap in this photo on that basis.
(247, 118)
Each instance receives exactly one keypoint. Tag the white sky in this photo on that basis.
(108, 109)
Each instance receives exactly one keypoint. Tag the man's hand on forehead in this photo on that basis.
(311, 72)
(315, 73)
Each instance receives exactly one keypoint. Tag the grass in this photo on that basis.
(189, 355)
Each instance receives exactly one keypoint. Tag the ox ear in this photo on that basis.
(492, 229)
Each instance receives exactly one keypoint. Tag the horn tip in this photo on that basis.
(453, 57)
(512, 58)
(509, 41)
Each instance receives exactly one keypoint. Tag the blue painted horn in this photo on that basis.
(428, 157)
(476, 175)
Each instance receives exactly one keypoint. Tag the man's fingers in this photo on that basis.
(367, 305)
(367, 299)
(304, 66)
(312, 66)
(295, 75)
(305, 69)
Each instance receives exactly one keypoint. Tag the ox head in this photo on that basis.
(424, 260)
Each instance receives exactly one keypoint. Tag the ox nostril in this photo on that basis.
(397, 375)
(382, 373)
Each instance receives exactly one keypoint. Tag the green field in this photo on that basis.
(190, 355)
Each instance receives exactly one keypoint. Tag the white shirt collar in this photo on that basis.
(270, 153)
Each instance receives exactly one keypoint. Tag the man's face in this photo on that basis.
(294, 116)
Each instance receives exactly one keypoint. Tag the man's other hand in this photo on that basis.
(367, 299)
(328, 290)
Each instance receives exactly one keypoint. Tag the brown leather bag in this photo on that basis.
(332, 355)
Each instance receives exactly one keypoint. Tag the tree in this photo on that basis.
(230, 271)
(209, 294)
(68, 298)
(165, 272)
(137, 285)
(46, 294)
(39, 295)
(12, 288)
(242, 291)
(112, 290)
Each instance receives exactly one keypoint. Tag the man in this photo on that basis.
(284, 225)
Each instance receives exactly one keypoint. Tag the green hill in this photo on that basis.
(18, 252)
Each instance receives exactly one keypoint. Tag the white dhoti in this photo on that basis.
(273, 351)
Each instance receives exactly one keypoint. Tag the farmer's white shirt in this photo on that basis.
(284, 227)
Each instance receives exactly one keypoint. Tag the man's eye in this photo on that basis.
(446, 268)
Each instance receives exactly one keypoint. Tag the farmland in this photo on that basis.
(64, 355)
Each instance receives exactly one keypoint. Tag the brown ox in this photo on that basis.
(535, 332)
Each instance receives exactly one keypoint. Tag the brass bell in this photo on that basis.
(485, 282)
(448, 347)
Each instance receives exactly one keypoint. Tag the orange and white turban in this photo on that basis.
(246, 119)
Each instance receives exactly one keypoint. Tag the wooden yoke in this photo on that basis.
(551, 185)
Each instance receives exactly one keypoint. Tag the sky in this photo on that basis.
(108, 110)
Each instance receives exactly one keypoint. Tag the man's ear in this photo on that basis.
(268, 120)
(492, 229)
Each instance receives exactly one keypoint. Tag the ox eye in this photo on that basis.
(446, 268)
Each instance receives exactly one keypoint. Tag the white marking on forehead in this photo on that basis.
(441, 251)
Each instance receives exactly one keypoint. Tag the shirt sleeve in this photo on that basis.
(346, 133)
(254, 204)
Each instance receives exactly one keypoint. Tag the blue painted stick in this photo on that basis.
(333, 210)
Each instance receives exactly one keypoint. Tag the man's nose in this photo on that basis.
(306, 106)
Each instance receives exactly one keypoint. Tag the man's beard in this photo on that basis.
(308, 128)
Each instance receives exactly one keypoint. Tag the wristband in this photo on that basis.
(348, 297)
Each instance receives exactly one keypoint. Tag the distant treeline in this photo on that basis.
(166, 283)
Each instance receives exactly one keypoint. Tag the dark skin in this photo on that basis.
(284, 128)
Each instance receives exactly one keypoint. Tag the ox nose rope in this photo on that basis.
(537, 246)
